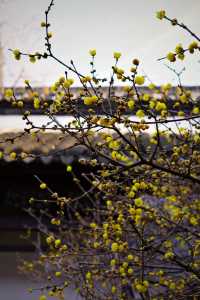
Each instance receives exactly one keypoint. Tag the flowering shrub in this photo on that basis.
(137, 234)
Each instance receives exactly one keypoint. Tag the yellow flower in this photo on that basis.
(183, 98)
(131, 194)
(160, 106)
(130, 271)
(179, 49)
(42, 297)
(49, 35)
(172, 285)
(93, 225)
(87, 100)
(193, 221)
(152, 104)
(90, 100)
(1, 154)
(131, 104)
(96, 245)
(58, 274)
(127, 89)
(20, 104)
(130, 257)
(36, 103)
(166, 87)
(57, 243)
(114, 247)
(171, 57)
(43, 186)
(17, 54)
(151, 86)
(138, 202)
(32, 59)
(68, 82)
(49, 239)
(26, 82)
(86, 79)
(160, 14)
(146, 97)
(8, 93)
(140, 113)
(181, 56)
(169, 255)
(43, 24)
(192, 46)
(92, 52)
(139, 80)
(109, 203)
(140, 288)
(195, 110)
(117, 55)
(113, 262)
(88, 275)
(13, 155)
(133, 69)
(69, 168)
(181, 113)
(113, 289)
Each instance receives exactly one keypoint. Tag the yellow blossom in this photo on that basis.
(160, 106)
(49, 35)
(90, 100)
(93, 225)
(130, 271)
(43, 186)
(131, 104)
(57, 243)
(140, 288)
(171, 57)
(36, 103)
(114, 247)
(138, 202)
(169, 255)
(43, 24)
(42, 297)
(113, 262)
(113, 289)
(117, 55)
(17, 54)
(92, 52)
(192, 46)
(160, 14)
(32, 58)
(130, 257)
(88, 275)
(58, 274)
(69, 168)
(20, 104)
(193, 221)
(8, 93)
(13, 155)
(139, 80)
(140, 113)
(68, 82)
(195, 110)
(49, 239)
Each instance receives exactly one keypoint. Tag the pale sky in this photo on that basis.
(127, 26)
